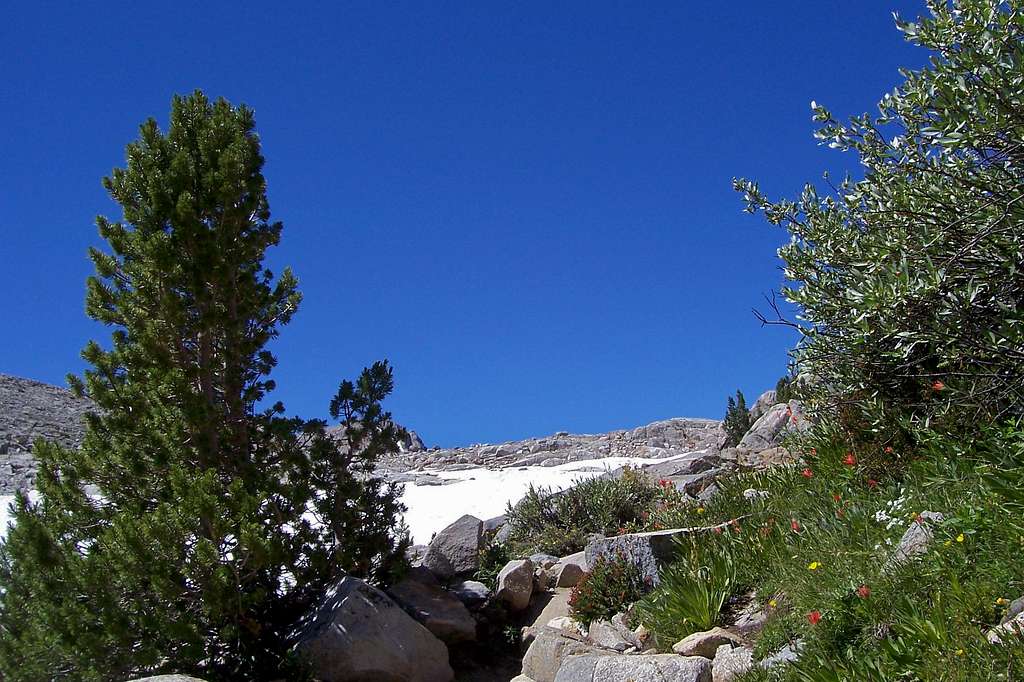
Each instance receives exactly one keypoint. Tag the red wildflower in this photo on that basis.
(735, 525)
(888, 449)
(872, 483)
(863, 591)
(836, 497)
(814, 451)
(938, 385)
(664, 482)
(795, 525)
(717, 530)
(849, 460)
(793, 418)
(814, 617)
(807, 473)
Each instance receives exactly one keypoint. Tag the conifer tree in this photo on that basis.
(737, 419)
(192, 527)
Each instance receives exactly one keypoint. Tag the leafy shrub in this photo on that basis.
(907, 282)
(691, 593)
(737, 419)
(559, 522)
(609, 587)
(493, 557)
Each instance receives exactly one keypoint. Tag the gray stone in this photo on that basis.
(359, 633)
(915, 540)
(706, 643)
(729, 662)
(471, 592)
(1015, 608)
(605, 635)
(543, 560)
(646, 668)
(547, 651)
(515, 584)
(784, 656)
(440, 612)
(761, 405)
(769, 430)
(492, 524)
(643, 549)
(456, 549)
(569, 569)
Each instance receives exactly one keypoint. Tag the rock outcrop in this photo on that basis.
(30, 410)
(359, 633)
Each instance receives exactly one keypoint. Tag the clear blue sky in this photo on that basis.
(526, 207)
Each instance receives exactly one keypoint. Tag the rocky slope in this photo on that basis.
(29, 410)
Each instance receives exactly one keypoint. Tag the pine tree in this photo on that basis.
(737, 419)
(192, 527)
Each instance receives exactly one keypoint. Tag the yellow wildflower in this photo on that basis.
(772, 603)
(700, 510)
(959, 652)
(947, 543)
(814, 566)
(960, 538)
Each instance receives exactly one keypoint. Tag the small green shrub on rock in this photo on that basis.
(609, 587)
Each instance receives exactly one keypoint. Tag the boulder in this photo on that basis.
(543, 560)
(440, 611)
(1010, 630)
(456, 549)
(916, 540)
(605, 635)
(359, 633)
(706, 643)
(648, 668)
(764, 459)
(768, 430)
(761, 405)
(494, 523)
(643, 549)
(471, 593)
(546, 607)
(515, 584)
(547, 651)
(569, 569)
(731, 662)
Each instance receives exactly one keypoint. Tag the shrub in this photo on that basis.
(608, 588)
(737, 420)
(559, 522)
(907, 282)
(691, 593)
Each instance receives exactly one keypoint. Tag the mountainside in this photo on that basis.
(29, 410)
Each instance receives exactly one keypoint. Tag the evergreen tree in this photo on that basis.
(737, 419)
(192, 527)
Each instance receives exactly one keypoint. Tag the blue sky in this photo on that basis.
(526, 208)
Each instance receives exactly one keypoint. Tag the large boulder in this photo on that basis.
(761, 405)
(547, 651)
(768, 430)
(359, 634)
(456, 549)
(440, 611)
(569, 569)
(644, 550)
(648, 668)
(515, 584)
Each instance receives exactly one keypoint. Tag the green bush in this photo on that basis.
(737, 420)
(559, 522)
(908, 281)
(608, 588)
(691, 592)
